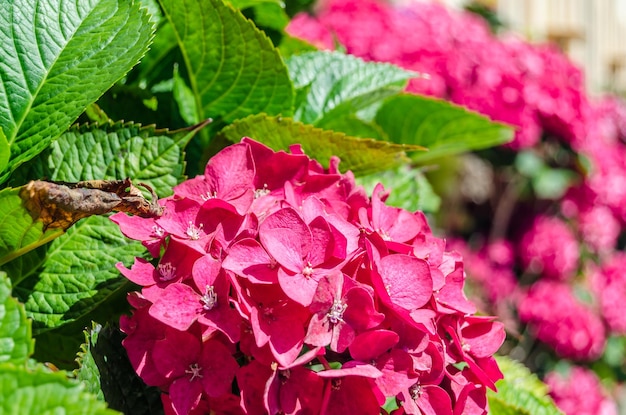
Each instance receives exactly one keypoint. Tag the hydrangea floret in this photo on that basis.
(279, 286)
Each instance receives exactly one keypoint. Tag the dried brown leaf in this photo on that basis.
(61, 204)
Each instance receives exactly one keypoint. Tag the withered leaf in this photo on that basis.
(61, 204)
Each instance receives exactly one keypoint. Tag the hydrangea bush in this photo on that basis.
(313, 297)
(542, 250)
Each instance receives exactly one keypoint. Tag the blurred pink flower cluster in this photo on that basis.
(580, 392)
(560, 275)
(534, 88)
(279, 287)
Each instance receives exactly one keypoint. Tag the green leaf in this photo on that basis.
(332, 85)
(5, 151)
(409, 188)
(360, 155)
(520, 392)
(28, 392)
(19, 233)
(244, 4)
(271, 15)
(234, 70)
(183, 96)
(91, 152)
(57, 59)
(290, 45)
(78, 273)
(553, 183)
(16, 343)
(443, 128)
(119, 150)
(107, 372)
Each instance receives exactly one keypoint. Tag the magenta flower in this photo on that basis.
(228, 176)
(277, 321)
(342, 308)
(207, 301)
(558, 319)
(321, 293)
(304, 252)
(541, 255)
(204, 367)
(580, 392)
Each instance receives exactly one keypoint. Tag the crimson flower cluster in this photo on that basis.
(278, 286)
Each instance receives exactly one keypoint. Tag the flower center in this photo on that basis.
(167, 271)
(193, 231)
(415, 391)
(194, 371)
(208, 195)
(158, 231)
(384, 234)
(307, 271)
(258, 193)
(209, 299)
(335, 314)
(284, 375)
(466, 347)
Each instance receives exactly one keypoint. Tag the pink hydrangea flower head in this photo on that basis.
(540, 254)
(608, 283)
(579, 392)
(561, 321)
(322, 294)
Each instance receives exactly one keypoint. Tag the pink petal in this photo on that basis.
(178, 306)
(231, 173)
(249, 259)
(218, 368)
(484, 338)
(319, 332)
(205, 271)
(451, 294)
(286, 238)
(369, 345)
(352, 368)
(251, 380)
(141, 272)
(407, 280)
(171, 363)
(299, 288)
(434, 401)
(360, 313)
(185, 395)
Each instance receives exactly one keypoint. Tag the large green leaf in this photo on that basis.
(233, 68)
(114, 151)
(35, 392)
(5, 151)
(16, 343)
(57, 58)
(444, 129)
(362, 156)
(92, 152)
(520, 392)
(332, 85)
(78, 273)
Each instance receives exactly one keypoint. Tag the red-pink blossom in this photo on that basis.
(322, 293)
(541, 255)
(558, 319)
(579, 392)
